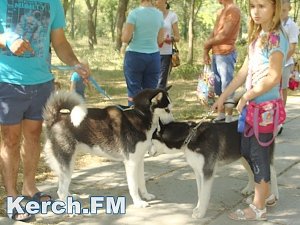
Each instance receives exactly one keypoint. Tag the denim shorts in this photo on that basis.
(258, 156)
(223, 68)
(141, 71)
(18, 102)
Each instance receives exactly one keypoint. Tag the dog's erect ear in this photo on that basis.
(168, 88)
(157, 98)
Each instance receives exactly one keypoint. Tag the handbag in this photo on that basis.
(264, 118)
(205, 87)
(175, 55)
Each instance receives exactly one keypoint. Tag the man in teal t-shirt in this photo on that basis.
(26, 28)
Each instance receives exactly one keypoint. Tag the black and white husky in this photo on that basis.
(122, 135)
(211, 144)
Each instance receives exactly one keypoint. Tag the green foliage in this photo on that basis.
(186, 72)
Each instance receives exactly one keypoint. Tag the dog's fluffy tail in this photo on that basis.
(64, 100)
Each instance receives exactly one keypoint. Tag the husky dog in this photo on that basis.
(122, 135)
(210, 144)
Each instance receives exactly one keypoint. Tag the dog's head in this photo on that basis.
(169, 138)
(156, 101)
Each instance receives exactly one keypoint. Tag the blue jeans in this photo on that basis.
(223, 68)
(141, 71)
(165, 69)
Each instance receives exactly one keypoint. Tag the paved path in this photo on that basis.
(172, 181)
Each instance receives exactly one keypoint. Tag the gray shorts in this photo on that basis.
(18, 102)
(258, 156)
(286, 74)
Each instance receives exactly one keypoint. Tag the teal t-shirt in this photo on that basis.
(259, 53)
(33, 20)
(147, 22)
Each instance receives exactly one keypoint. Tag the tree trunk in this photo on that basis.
(66, 5)
(91, 23)
(122, 8)
(95, 24)
(185, 20)
(73, 19)
(296, 7)
(191, 34)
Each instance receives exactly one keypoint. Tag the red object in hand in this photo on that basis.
(168, 41)
(293, 84)
(161, 44)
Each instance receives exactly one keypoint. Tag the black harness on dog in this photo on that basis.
(194, 129)
(127, 108)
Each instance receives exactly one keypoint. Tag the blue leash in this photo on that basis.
(93, 81)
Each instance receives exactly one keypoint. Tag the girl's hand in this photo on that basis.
(241, 104)
(218, 105)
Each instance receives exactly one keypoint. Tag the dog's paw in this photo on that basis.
(198, 213)
(141, 204)
(148, 196)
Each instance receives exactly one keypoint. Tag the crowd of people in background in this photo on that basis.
(148, 35)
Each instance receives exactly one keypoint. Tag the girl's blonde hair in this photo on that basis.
(255, 29)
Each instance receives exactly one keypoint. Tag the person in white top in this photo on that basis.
(171, 35)
(292, 30)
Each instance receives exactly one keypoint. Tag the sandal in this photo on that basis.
(270, 201)
(39, 197)
(259, 214)
(14, 214)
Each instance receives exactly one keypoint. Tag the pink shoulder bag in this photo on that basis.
(264, 118)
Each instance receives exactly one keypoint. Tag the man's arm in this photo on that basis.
(63, 48)
(65, 52)
(292, 50)
(225, 32)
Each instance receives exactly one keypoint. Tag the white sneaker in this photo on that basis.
(228, 119)
(219, 118)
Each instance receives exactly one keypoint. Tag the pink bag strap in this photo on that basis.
(255, 125)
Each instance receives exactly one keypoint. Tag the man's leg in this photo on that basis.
(226, 70)
(10, 157)
(284, 86)
(10, 160)
(285, 81)
(30, 154)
